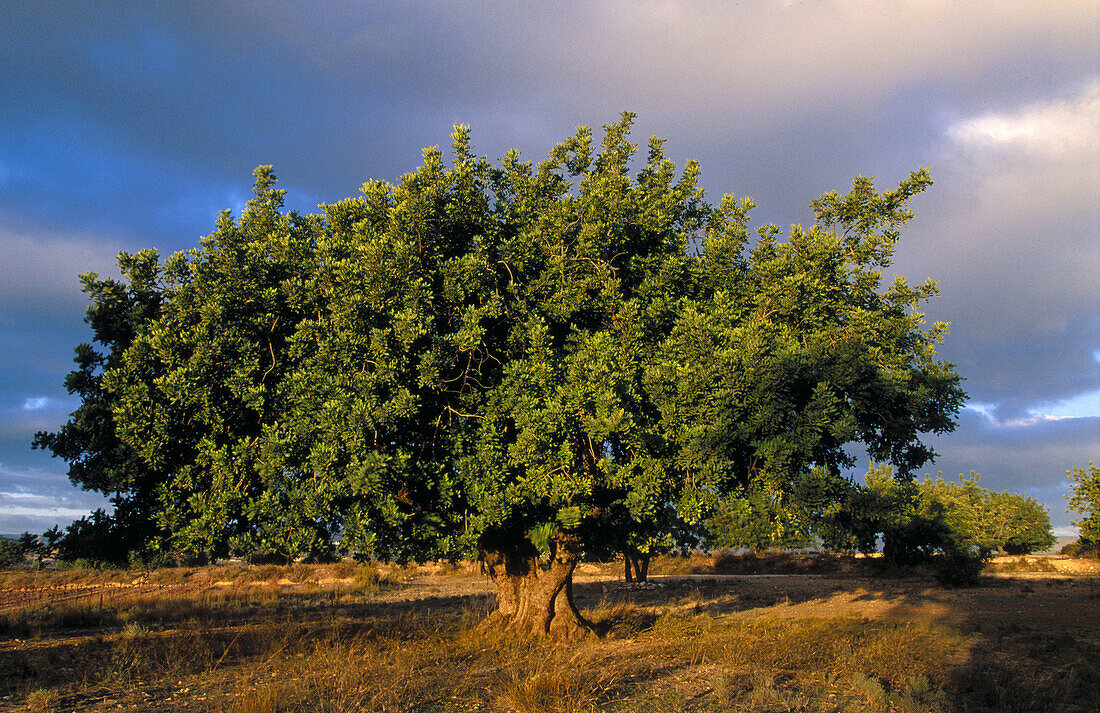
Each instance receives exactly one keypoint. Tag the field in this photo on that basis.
(703, 635)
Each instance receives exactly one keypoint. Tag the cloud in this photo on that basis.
(38, 271)
(1083, 405)
(1086, 405)
(1011, 234)
(1031, 460)
(36, 403)
(40, 507)
(35, 500)
(1065, 130)
(355, 90)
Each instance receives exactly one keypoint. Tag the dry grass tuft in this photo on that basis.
(43, 699)
(1021, 564)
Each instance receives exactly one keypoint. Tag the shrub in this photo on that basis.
(43, 699)
(960, 566)
(1082, 548)
(11, 553)
(1023, 565)
(1005, 521)
(921, 535)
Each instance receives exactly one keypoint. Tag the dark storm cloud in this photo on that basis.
(1011, 230)
(130, 125)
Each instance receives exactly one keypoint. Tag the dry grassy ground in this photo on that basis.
(349, 637)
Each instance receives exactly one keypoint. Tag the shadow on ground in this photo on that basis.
(1036, 640)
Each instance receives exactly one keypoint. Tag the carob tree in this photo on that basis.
(526, 363)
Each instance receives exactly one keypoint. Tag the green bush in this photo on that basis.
(1082, 548)
(83, 563)
(1085, 499)
(960, 566)
(11, 553)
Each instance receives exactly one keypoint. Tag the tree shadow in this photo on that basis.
(718, 594)
(1037, 646)
(1033, 640)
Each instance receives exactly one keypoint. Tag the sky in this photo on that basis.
(128, 125)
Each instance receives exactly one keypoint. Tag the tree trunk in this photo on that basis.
(640, 565)
(534, 597)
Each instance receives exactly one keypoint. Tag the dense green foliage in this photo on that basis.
(98, 458)
(917, 529)
(11, 552)
(1085, 499)
(1004, 521)
(950, 525)
(14, 552)
(497, 356)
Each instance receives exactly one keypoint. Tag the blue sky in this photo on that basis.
(130, 125)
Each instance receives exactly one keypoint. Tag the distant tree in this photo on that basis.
(1085, 499)
(11, 554)
(915, 530)
(522, 362)
(844, 516)
(910, 534)
(1006, 522)
(642, 540)
(50, 540)
(96, 539)
(32, 546)
(1020, 523)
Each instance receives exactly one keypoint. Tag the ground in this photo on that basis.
(810, 634)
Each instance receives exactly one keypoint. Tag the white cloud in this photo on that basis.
(42, 511)
(36, 403)
(1059, 130)
(1027, 421)
(1086, 405)
(33, 499)
(1011, 230)
(989, 411)
(727, 69)
(1083, 405)
(759, 61)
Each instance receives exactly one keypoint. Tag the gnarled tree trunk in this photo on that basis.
(535, 596)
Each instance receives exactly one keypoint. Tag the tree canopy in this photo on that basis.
(1007, 522)
(523, 362)
(1084, 498)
